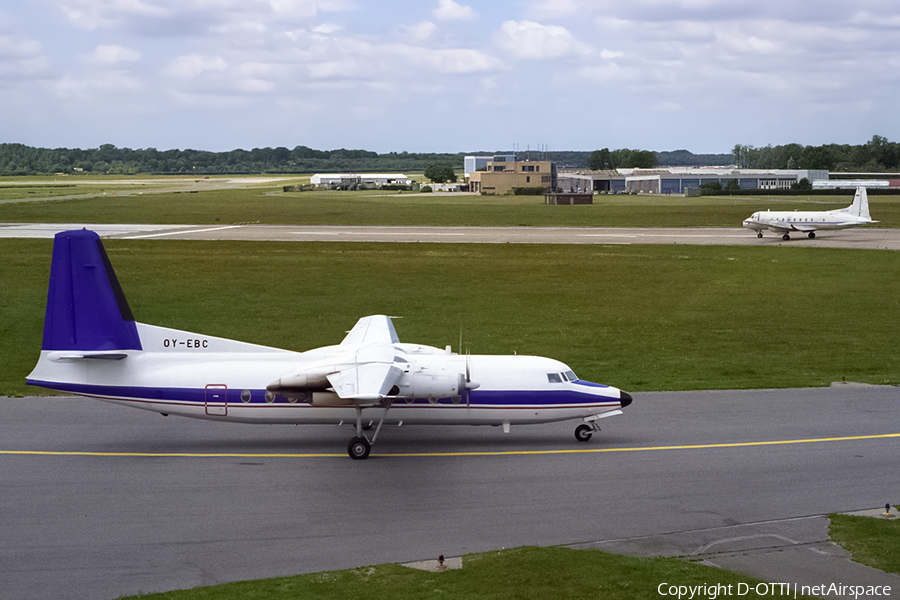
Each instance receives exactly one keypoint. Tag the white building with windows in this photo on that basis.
(355, 180)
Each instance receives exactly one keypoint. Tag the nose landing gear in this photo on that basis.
(584, 431)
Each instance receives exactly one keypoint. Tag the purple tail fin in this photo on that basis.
(86, 309)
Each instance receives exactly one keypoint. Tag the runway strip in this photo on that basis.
(451, 454)
(869, 238)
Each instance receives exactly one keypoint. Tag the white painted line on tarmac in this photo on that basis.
(181, 232)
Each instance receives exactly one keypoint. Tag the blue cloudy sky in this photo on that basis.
(448, 75)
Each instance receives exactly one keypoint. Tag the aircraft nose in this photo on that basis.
(625, 399)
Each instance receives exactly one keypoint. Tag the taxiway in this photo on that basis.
(100, 500)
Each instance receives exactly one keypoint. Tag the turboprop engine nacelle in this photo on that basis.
(300, 385)
(430, 385)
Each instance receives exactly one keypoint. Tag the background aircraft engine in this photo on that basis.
(427, 385)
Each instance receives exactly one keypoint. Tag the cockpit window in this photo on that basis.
(561, 377)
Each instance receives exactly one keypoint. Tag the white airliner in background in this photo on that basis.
(808, 221)
(92, 346)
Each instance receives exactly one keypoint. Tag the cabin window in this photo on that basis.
(554, 378)
(245, 396)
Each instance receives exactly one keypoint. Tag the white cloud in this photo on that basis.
(457, 61)
(194, 65)
(421, 31)
(173, 18)
(527, 39)
(21, 59)
(448, 10)
(111, 55)
(91, 14)
(327, 28)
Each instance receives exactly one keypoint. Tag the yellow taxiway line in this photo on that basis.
(433, 454)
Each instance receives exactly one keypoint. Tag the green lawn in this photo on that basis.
(268, 204)
(517, 574)
(871, 541)
(637, 317)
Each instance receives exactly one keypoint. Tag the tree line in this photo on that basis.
(876, 155)
(19, 159)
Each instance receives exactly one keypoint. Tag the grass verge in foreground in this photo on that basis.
(641, 318)
(872, 542)
(519, 573)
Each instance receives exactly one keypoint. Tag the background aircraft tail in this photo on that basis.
(86, 308)
(860, 206)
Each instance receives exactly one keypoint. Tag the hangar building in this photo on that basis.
(352, 181)
(680, 180)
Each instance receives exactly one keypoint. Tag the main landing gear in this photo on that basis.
(360, 447)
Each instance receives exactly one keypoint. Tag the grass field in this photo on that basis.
(637, 317)
(266, 203)
(517, 574)
(873, 542)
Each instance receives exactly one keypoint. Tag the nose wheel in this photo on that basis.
(583, 432)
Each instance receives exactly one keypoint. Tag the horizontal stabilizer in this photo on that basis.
(73, 356)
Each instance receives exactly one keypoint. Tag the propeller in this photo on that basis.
(465, 381)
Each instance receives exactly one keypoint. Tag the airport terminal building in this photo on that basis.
(499, 174)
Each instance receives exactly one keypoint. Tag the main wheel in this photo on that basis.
(583, 433)
(785, 237)
(759, 234)
(359, 448)
(812, 235)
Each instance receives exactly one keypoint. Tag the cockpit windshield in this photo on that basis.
(561, 377)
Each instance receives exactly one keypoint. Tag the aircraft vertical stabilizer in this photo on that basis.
(860, 206)
(86, 308)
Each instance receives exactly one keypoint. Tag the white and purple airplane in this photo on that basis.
(93, 347)
(808, 221)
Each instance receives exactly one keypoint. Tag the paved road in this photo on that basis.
(864, 238)
(100, 500)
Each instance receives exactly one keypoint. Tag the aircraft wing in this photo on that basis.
(375, 329)
(367, 382)
(372, 372)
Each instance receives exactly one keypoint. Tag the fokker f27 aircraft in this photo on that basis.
(808, 221)
(93, 347)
